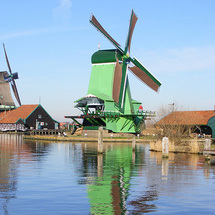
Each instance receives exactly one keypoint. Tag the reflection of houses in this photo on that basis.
(12, 153)
(202, 121)
(27, 117)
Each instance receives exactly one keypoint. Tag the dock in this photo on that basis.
(208, 152)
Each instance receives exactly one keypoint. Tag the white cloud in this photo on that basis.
(182, 60)
(40, 31)
(63, 11)
(26, 33)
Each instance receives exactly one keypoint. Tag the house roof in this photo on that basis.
(187, 118)
(2, 114)
(14, 115)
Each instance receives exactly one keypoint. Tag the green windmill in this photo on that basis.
(108, 102)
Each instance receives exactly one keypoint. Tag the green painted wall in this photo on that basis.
(136, 105)
(211, 124)
(121, 124)
(128, 105)
(111, 106)
(101, 80)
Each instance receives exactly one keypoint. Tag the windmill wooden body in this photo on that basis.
(7, 80)
(108, 102)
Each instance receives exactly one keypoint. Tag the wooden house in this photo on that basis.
(202, 121)
(27, 117)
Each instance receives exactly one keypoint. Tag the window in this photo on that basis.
(39, 116)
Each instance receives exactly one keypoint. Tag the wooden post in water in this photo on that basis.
(100, 165)
(164, 169)
(165, 147)
(133, 143)
(207, 144)
(100, 140)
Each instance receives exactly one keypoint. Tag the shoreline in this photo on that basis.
(85, 139)
(190, 146)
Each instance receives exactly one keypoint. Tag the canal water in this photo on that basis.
(38, 177)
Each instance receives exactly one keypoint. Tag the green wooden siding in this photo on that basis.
(211, 124)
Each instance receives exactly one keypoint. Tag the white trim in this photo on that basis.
(103, 63)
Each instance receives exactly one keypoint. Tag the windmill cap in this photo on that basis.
(106, 56)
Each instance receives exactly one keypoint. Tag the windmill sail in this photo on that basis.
(117, 82)
(16, 94)
(126, 59)
(13, 76)
(98, 26)
(133, 21)
(144, 75)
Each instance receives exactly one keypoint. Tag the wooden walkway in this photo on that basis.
(208, 152)
(45, 132)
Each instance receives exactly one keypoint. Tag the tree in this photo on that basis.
(169, 124)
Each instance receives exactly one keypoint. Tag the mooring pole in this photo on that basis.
(165, 147)
(207, 145)
(164, 169)
(100, 140)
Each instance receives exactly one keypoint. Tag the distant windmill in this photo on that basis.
(108, 102)
(7, 79)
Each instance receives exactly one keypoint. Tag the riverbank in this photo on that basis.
(86, 139)
(192, 145)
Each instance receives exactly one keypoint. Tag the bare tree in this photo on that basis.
(171, 127)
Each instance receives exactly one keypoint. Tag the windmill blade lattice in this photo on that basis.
(98, 26)
(144, 75)
(117, 81)
(133, 21)
(13, 76)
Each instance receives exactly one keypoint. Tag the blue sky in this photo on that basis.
(50, 43)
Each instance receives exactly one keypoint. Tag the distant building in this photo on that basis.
(27, 117)
(203, 121)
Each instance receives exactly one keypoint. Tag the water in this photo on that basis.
(39, 177)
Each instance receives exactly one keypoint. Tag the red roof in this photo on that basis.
(21, 112)
(187, 118)
(2, 114)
